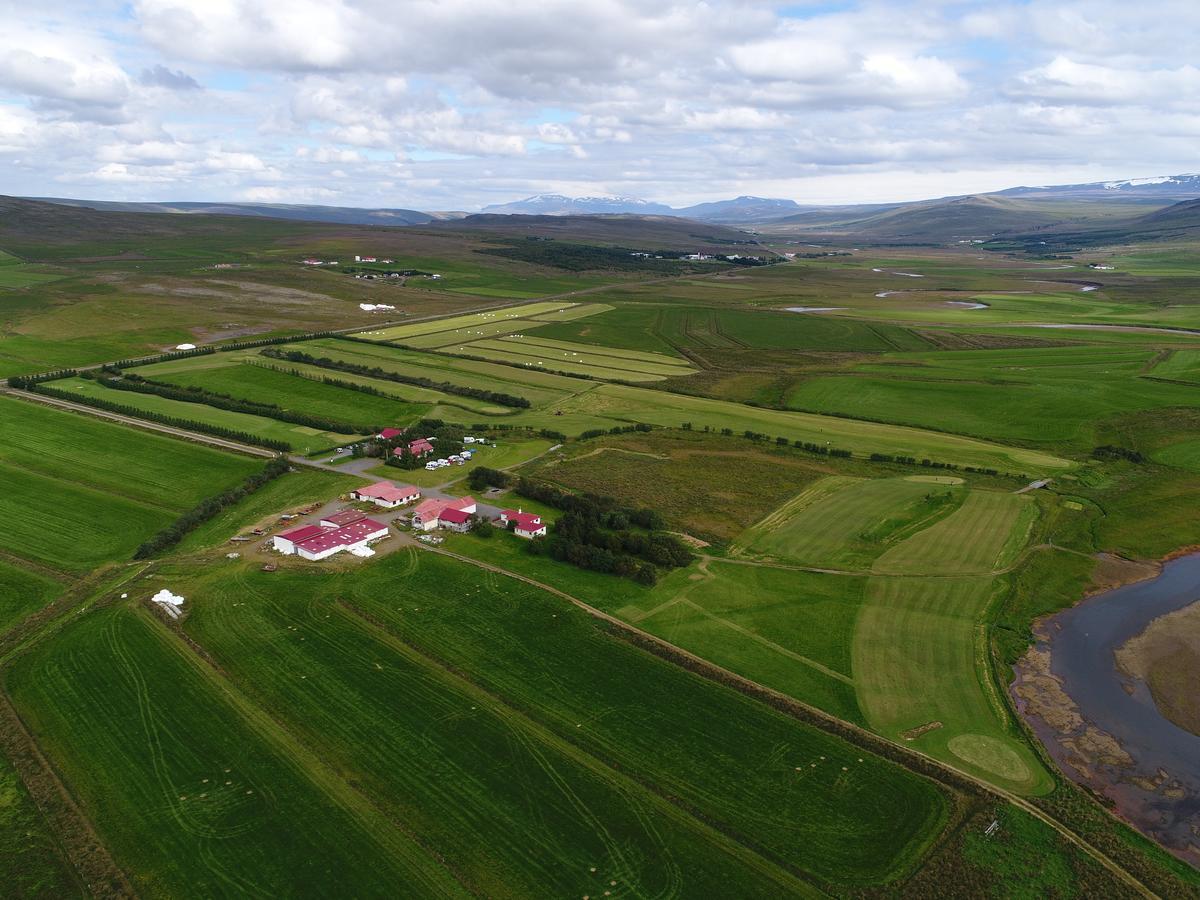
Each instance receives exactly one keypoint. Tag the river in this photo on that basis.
(1101, 727)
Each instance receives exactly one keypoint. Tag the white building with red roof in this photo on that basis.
(420, 447)
(427, 515)
(525, 525)
(317, 542)
(341, 518)
(454, 519)
(386, 494)
(388, 433)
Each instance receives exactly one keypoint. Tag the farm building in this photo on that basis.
(386, 494)
(525, 525)
(316, 542)
(389, 433)
(427, 515)
(454, 519)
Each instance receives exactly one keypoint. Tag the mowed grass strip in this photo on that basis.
(629, 403)
(571, 313)
(98, 454)
(799, 794)
(469, 320)
(539, 387)
(602, 354)
(247, 381)
(580, 363)
(513, 809)
(190, 796)
(981, 537)
(301, 438)
(70, 527)
(921, 669)
(846, 523)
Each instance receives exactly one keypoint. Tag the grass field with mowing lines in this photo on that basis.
(23, 592)
(470, 320)
(1184, 455)
(270, 385)
(145, 467)
(1179, 365)
(302, 439)
(571, 313)
(68, 526)
(511, 808)
(845, 523)
(191, 797)
(982, 536)
(919, 648)
(919, 657)
(629, 326)
(760, 775)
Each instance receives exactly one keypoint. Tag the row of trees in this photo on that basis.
(221, 348)
(27, 382)
(230, 434)
(339, 365)
(206, 509)
(113, 378)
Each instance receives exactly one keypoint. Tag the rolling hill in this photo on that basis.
(343, 215)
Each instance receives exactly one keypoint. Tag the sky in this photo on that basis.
(455, 104)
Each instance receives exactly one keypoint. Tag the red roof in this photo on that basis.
(388, 433)
(526, 521)
(341, 537)
(435, 506)
(343, 517)
(454, 516)
(420, 445)
(303, 533)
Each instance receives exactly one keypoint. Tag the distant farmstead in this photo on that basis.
(386, 494)
(420, 447)
(315, 542)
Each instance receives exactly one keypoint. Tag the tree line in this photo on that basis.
(446, 387)
(112, 377)
(207, 509)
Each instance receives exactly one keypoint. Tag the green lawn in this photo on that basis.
(192, 794)
(508, 452)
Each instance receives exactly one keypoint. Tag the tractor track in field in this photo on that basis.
(811, 715)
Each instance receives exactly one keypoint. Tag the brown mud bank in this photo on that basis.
(1100, 723)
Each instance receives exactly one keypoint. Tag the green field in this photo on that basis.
(919, 652)
(576, 359)
(486, 320)
(191, 793)
(22, 592)
(847, 523)
(301, 438)
(290, 392)
(32, 864)
(508, 452)
(770, 779)
(145, 467)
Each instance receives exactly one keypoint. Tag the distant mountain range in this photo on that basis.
(740, 209)
(971, 217)
(343, 215)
